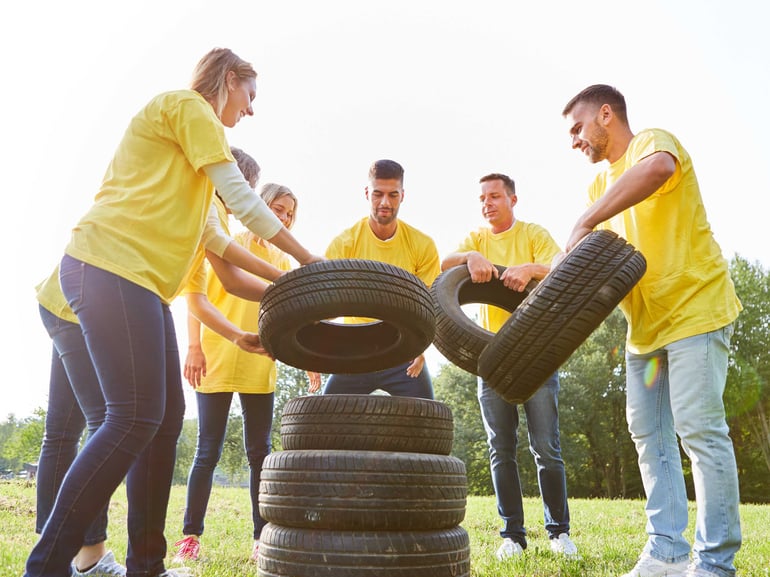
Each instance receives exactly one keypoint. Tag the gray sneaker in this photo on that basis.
(106, 567)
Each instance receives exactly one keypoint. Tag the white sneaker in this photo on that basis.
(650, 567)
(178, 572)
(697, 571)
(509, 548)
(564, 545)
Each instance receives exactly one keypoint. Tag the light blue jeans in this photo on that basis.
(677, 390)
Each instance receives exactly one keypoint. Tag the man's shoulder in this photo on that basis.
(413, 230)
(533, 227)
(353, 229)
(654, 135)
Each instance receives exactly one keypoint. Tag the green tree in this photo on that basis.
(23, 443)
(7, 429)
(747, 395)
(457, 389)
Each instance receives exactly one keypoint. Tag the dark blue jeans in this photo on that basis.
(501, 420)
(70, 409)
(130, 337)
(213, 412)
(395, 381)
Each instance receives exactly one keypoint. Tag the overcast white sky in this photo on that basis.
(452, 90)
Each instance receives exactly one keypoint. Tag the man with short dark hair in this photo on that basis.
(680, 317)
(526, 250)
(383, 237)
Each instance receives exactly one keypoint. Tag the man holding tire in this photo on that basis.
(383, 237)
(680, 317)
(526, 250)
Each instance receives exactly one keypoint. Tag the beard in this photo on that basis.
(598, 144)
(384, 218)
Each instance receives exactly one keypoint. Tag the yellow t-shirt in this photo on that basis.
(148, 216)
(687, 289)
(229, 368)
(409, 249)
(522, 243)
(49, 295)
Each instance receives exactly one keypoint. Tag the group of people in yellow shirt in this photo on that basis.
(162, 208)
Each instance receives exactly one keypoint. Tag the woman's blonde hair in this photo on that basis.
(272, 191)
(210, 75)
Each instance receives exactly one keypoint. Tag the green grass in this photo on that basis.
(609, 534)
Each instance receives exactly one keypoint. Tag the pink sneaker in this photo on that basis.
(189, 549)
(255, 552)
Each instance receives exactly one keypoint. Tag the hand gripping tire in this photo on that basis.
(459, 338)
(294, 317)
(556, 317)
(367, 423)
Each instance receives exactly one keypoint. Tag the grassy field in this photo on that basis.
(609, 534)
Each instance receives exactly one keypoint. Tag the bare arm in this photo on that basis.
(200, 306)
(235, 280)
(243, 258)
(481, 268)
(636, 184)
(518, 277)
(195, 362)
(288, 244)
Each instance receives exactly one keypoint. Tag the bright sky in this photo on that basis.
(451, 90)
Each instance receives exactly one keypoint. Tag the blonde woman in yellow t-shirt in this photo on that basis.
(126, 260)
(216, 369)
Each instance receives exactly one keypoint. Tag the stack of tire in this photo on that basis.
(364, 487)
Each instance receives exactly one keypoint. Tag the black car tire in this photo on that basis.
(295, 312)
(557, 316)
(367, 423)
(293, 552)
(459, 338)
(362, 490)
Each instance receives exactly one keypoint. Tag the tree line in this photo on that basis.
(598, 452)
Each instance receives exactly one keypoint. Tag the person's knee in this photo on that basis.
(207, 457)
